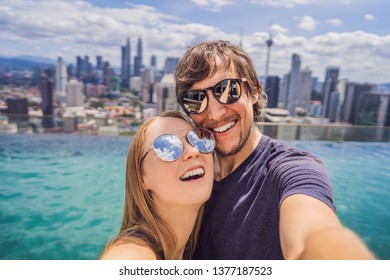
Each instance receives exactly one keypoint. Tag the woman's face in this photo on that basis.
(184, 182)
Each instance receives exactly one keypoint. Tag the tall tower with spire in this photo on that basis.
(241, 36)
(138, 59)
(269, 43)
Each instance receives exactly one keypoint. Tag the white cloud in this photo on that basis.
(293, 3)
(369, 17)
(308, 23)
(88, 30)
(276, 28)
(335, 21)
(71, 28)
(212, 5)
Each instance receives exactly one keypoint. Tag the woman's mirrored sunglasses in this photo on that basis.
(227, 91)
(169, 147)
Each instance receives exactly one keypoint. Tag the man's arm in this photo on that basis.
(309, 229)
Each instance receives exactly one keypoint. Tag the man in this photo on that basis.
(269, 201)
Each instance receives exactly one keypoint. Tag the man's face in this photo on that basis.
(231, 123)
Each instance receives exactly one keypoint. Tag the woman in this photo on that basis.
(169, 175)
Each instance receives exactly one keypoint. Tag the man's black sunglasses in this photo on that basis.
(227, 91)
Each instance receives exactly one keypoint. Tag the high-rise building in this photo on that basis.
(166, 94)
(171, 64)
(136, 84)
(138, 59)
(61, 80)
(137, 66)
(99, 62)
(17, 106)
(83, 67)
(70, 71)
(46, 89)
(78, 66)
(354, 95)
(330, 85)
(333, 106)
(373, 109)
(18, 110)
(294, 84)
(283, 91)
(125, 71)
(153, 61)
(272, 91)
(305, 88)
(74, 94)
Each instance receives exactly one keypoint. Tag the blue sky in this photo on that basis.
(351, 34)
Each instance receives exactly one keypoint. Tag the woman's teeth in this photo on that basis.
(193, 174)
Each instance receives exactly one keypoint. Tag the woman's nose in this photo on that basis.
(189, 151)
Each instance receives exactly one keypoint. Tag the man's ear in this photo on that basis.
(255, 95)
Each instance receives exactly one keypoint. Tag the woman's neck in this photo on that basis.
(182, 221)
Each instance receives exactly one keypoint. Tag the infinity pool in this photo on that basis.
(61, 196)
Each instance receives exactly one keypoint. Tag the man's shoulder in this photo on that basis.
(274, 151)
(271, 147)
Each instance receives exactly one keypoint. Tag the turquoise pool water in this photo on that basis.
(61, 196)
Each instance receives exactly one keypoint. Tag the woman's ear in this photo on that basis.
(145, 181)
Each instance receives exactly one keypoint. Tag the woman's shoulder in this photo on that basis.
(128, 251)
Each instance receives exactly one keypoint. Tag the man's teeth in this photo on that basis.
(196, 172)
(224, 127)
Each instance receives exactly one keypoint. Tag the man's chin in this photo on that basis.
(228, 153)
(231, 151)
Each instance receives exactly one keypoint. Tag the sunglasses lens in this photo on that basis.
(168, 147)
(201, 139)
(194, 102)
(227, 91)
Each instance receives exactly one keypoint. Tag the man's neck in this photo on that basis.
(226, 165)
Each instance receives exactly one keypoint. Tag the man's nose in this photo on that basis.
(215, 110)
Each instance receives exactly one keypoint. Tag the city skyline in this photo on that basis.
(351, 35)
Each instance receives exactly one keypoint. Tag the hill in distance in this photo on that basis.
(22, 63)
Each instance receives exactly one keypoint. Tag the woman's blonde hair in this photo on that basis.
(140, 212)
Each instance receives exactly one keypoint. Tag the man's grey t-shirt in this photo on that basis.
(241, 219)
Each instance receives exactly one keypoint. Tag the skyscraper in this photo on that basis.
(305, 88)
(333, 106)
(99, 62)
(18, 111)
(171, 64)
(61, 80)
(125, 71)
(272, 90)
(138, 59)
(74, 95)
(153, 61)
(294, 84)
(166, 94)
(354, 95)
(330, 84)
(46, 88)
